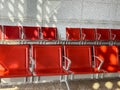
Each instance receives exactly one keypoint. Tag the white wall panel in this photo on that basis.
(95, 11)
(62, 10)
(117, 18)
(101, 1)
(88, 13)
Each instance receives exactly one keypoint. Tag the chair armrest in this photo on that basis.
(68, 35)
(69, 63)
(98, 36)
(113, 36)
(83, 36)
(101, 62)
(32, 63)
(41, 35)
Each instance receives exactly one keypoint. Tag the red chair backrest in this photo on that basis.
(90, 33)
(48, 59)
(49, 33)
(104, 34)
(31, 33)
(115, 32)
(14, 61)
(12, 32)
(80, 56)
(110, 56)
(73, 34)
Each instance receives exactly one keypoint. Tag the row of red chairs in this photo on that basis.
(29, 32)
(49, 60)
(50, 33)
(92, 34)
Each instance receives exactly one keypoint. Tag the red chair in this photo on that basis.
(81, 59)
(73, 34)
(48, 60)
(49, 33)
(110, 56)
(12, 32)
(31, 33)
(1, 32)
(103, 34)
(115, 34)
(88, 34)
(14, 61)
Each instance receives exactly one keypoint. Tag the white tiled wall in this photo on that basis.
(32, 12)
(61, 13)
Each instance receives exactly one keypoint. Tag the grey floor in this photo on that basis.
(81, 84)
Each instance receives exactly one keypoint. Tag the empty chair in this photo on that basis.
(115, 34)
(103, 34)
(110, 56)
(48, 60)
(14, 61)
(81, 59)
(49, 33)
(88, 34)
(73, 34)
(12, 32)
(31, 33)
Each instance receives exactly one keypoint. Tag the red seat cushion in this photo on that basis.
(50, 72)
(110, 56)
(73, 33)
(116, 32)
(12, 32)
(49, 33)
(48, 60)
(31, 33)
(90, 33)
(14, 61)
(81, 58)
(104, 34)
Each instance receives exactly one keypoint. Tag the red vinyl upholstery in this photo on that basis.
(31, 33)
(115, 34)
(14, 61)
(49, 33)
(104, 34)
(89, 34)
(110, 56)
(81, 59)
(73, 34)
(12, 32)
(1, 32)
(48, 60)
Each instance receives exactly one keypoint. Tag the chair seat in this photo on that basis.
(83, 70)
(18, 73)
(50, 72)
(112, 68)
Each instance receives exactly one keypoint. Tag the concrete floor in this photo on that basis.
(82, 84)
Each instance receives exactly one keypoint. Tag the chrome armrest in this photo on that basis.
(69, 63)
(41, 35)
(32, 64)
(98, 36)
(68, 35)
(83, 36)
(114, 36)
(99, 67)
